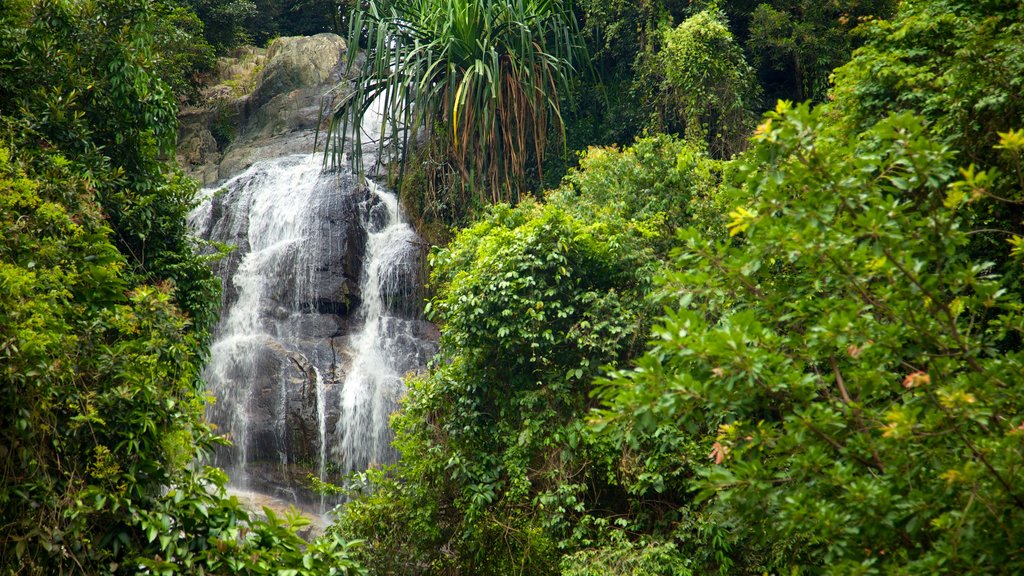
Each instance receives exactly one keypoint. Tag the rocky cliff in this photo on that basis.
(261, 103)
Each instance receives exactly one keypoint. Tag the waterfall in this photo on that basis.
(374, 384)
(321, 320)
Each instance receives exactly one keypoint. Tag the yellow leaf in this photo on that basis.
(1017, 246)
(954, 198)
(763, 130)
(951, 475)
(956, 307)
(877, 263)
(741, 220)
(1012, 140)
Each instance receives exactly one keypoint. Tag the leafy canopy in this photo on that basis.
(105, 311)
(853, 368)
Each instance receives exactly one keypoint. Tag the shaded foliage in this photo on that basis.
(231, 23)
(796, 44)
(789, 46)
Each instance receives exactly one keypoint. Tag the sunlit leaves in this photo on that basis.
(741, 219)
(853, 327)
(1011, 140)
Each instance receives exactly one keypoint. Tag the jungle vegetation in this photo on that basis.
(723, 286)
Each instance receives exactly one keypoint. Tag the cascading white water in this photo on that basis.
(321, 321)
(277, 198)
(374, 383)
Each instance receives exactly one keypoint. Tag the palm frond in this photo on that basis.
(489, 72)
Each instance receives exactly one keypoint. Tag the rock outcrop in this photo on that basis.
(263, 103)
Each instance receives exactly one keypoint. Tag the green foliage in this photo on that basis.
(834, 386)
(792, 47)
(796, 44)
(482, 77)
(622, 556)
(182, 52)
(225, 21)
(853, 371)
(614, 106)
(95, 370)
(960, 66)
(497, 463)
(105, 311)
(657, 184)
(228, 24)
(554, 298)
(709, 91)
(106, 109)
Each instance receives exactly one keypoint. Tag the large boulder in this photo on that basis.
(297, 63)
(261, 103)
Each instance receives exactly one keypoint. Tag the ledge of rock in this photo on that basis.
(261, 103)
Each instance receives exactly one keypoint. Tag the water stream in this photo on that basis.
(321, 319)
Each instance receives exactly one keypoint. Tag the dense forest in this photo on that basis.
(725, 287)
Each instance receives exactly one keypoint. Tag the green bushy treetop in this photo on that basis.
(708, 91)
(105, 107)
(852, 369)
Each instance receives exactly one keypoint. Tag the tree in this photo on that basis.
(847, 361)
(959, 66)
(182, 52)
(226, 22)
(483, 78)
(708, 90)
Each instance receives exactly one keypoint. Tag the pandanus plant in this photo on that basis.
(481, 78)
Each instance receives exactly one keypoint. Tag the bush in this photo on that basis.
(853, 370)
(497, 466)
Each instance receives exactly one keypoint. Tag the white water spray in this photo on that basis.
(381, 350)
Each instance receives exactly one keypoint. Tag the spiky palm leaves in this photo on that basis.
(482, 77)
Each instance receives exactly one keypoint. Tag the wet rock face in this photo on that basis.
(333, 259)
(322, 292)
(322, 318)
